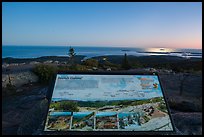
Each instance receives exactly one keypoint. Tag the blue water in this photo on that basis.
(38, 51)
(60, 113)
(125, 114)
(102, 114)
(81, 114)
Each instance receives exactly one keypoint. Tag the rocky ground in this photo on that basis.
(186, 109)
(24, 112)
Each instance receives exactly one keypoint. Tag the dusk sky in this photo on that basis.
(171, 25)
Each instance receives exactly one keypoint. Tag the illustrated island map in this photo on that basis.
(107, 103)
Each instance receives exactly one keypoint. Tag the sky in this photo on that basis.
(131, 24)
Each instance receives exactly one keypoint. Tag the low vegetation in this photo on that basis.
(78, 67)
(45, 73)
(65, 106)
(177, 64)
(98, 104)
(91, 62)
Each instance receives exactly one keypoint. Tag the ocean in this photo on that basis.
(88, 51)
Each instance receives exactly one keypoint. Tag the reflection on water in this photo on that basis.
(160, 50)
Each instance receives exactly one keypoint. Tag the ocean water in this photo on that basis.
(81, 114)
(60, 114)
(102, 114)
(38, 51)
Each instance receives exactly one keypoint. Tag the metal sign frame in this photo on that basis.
(49, 97)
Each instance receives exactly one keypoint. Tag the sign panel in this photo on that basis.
(85, 102)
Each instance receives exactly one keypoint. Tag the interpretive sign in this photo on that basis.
(86, 102)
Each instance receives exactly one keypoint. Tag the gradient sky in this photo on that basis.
(172, 25)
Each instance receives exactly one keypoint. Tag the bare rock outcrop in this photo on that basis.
(19, 79)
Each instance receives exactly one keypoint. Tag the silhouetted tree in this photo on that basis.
(71, 55)
(125, 63)
(69, 106)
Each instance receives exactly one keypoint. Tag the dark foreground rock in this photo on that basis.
(33, 118)
(17, 111)
(188, 123)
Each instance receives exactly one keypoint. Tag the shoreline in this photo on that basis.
(83, 57)
(113, 62)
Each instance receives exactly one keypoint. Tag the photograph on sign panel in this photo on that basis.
(108, 103)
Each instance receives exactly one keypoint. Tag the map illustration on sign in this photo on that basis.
(84, 102)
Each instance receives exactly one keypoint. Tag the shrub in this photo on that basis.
(91, 62)
(107, 63)
(77, 67)
(69, 106)
(62, 68)
(135, 64)
(45, 73)
(65, 106)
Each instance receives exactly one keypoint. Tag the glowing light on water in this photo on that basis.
(160, 50)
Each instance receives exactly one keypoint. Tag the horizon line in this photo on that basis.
(116, 46)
